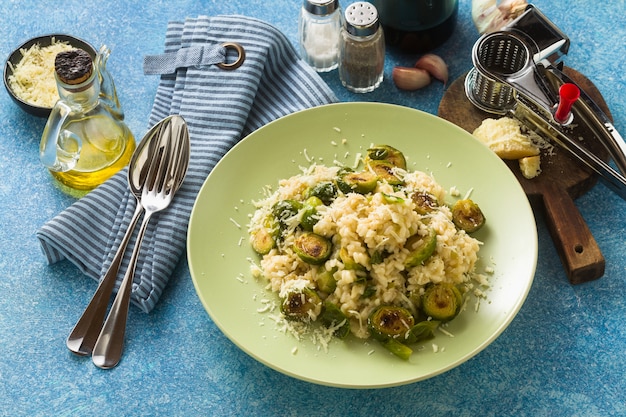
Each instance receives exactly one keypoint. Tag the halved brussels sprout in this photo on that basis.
(284, 210)
(397, 348)
(421, 248)
(425, 202)
(362, 182)
(424, 330)
(301, 305)
(442, 301)
(262, 241)
(333, 316)
(309, 214)
(385, 172)
(325, 191)
(348, 261)
(312, 248)
(386, 153)
(467, 216)
(326, 281)
(387, 321)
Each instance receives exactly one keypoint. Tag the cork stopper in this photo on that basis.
(73, 67)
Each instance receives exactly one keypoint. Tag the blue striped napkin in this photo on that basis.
(220, 107)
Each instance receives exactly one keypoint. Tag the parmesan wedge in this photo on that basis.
(505, 138)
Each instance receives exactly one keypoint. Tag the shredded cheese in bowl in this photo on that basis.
(32, 79)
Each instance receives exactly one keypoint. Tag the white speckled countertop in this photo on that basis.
(563, 355)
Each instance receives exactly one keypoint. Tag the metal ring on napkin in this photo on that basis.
(194, 56)
(241, 56)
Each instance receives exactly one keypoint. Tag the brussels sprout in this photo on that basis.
(333, 316)
(284, 210)
(421, 248)
(399, 349)
(357, 182)
(388, 321)
(369, 291)
(325, 191)
(262, 241)
(424, 330)
(301, 305)
(348, 261)
(378, 257)
(312, 248)
(313, 201)
(326, 281)
(442, 301)
(386, 153)
(309, 214)
(392, 199)
(385, 172)
(424, 202)
(467, 216)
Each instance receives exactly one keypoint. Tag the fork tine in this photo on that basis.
(182, 160)
(157, 157)
(180, 154)
(158, 172)
(174, 157)
(152, 154)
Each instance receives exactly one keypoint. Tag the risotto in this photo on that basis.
(337, 245)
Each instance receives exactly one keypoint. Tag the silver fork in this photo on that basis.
(163, 180)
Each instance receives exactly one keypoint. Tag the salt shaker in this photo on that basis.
(361, 49)
(318, 30)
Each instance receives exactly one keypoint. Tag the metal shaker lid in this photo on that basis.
(321, 7)
(361, 19)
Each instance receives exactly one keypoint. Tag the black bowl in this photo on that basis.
(43, 41)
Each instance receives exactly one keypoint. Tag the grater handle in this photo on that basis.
(579, 252)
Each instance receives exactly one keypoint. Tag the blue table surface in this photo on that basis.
(564, 354)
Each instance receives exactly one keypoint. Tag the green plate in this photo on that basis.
(219, 254)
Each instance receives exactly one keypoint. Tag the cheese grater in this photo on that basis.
(518, 72)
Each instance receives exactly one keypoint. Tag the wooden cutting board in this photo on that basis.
(561, 181)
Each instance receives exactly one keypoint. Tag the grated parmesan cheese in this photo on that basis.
(33, 77)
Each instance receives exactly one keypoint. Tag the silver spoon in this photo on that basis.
(83, 336)
(167, 169)
(85, 332)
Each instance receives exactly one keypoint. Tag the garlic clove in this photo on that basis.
(435, 66)
(407, 78)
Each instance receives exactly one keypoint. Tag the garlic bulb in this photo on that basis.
(492, 15)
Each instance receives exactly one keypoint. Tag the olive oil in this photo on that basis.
(107, 149)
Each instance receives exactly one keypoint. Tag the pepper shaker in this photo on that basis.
(318, 30)
(362, 49)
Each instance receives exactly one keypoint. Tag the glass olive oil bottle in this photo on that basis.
(85, 140)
